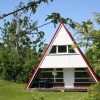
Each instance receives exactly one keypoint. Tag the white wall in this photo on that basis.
(63, 61)
(69, 77)
(62, 38)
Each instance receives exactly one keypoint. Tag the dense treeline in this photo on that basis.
(15, 67)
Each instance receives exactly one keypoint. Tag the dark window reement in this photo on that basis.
(53, 50)
(70, 49)
(81, 74)
(62, 49)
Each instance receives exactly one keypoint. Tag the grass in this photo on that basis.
(13, 91)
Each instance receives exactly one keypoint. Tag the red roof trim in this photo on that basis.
(81, 54)
(34, 72)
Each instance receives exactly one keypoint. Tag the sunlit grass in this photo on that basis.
(13, 91)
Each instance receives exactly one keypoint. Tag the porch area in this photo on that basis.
(61, 79)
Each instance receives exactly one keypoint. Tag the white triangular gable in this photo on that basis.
(62, 60)
(62, 37)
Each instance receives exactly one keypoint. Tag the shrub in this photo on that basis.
(93, 92)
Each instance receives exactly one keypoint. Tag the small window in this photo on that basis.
(59, 69)
(62, 49)
(70, 49)
(53, 50)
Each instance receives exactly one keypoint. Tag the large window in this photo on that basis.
(82, 76)
(55, 75)
(62, 49)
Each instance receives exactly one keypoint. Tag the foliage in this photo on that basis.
(15, 67)
(56, 18)
(93, 53)
(97, 17)
(84, 32)
(93, 92)
(19, 53)
(89, 38)
(31, 5)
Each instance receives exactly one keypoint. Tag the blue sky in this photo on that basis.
(78, 10)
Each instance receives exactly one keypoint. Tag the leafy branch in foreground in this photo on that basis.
(31, 5)
(56, 18)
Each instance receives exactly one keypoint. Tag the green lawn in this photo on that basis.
(13, 91)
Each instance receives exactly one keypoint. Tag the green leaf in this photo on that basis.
(49, 17)
(31, 3)
(45, 1)
(72, 25)
(89, 22)
(63, 20)
(33, 10)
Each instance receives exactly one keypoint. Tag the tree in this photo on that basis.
(19, 54)
(93, 53)
(89, 38)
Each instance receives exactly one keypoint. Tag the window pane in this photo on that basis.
(80, 69)
(59, 69)
(47, 75)
(70, 49)
(48, 69)
(53, 50)
(62, 49)
(59, 80)
(81, 75)
(82, 80)
(59, 75)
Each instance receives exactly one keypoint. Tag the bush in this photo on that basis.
(93, 92)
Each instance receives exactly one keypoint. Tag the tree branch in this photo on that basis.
(5, 15)
(30, 4)
(44, 24)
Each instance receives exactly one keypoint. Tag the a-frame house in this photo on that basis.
(62, 64)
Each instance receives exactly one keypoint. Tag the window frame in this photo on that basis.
(67, 50)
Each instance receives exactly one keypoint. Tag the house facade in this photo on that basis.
(62, 64)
